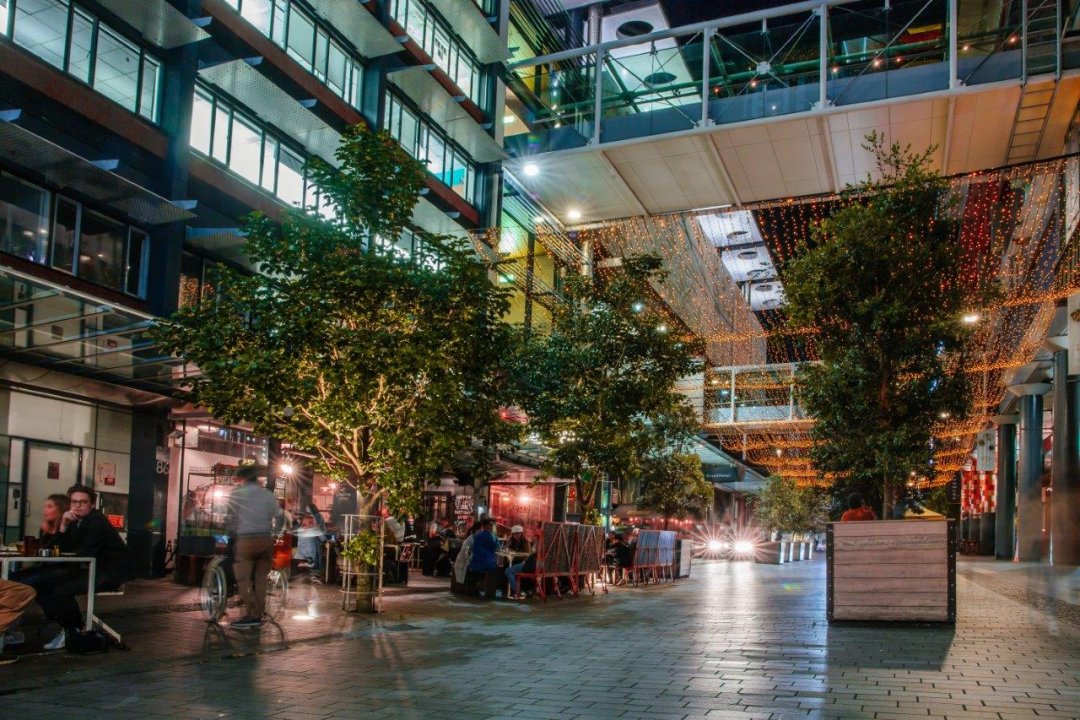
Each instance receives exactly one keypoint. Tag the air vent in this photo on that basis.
(737, 234)
(747, 255)
(771, 303)
(632, 29)
(763, 288)
(660, 78)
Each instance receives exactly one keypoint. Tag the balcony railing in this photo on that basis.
(798, 58)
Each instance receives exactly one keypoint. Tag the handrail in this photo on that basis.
(730, 21)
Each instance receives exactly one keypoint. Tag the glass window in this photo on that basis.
(65, 235)
(245, 149)
(257, 12)
(409, 129)
(322, 44)
(24, 219)
(151, 78)
(221, 133)
(269, 165)
(136, 255)
(116, 68)
(291, 177)
(358, 78)
(3, 17)
(277, 32)
(81, 45)
(190, 279)
(101, 250)
(202, 120)
(301, 37)
(337, 64)
(435, 152)
(40, 27)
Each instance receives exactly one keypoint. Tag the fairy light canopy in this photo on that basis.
(1016, 228)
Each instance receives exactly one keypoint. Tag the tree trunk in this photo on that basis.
(886, 500)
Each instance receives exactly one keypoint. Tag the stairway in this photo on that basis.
(1029, 123)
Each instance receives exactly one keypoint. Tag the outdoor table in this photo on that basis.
(91, 582)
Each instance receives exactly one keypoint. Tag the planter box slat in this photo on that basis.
(850, 586)
(893, 614)
(939, 570)
(897, 528)
(879, 597)
(887, 557)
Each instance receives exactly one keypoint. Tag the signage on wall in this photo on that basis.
(53, 472)
(985, 455)
(106, 474)
(463, 506)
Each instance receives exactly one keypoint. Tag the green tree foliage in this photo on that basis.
(674, 485)
(879, 285)
(598, 387)
(786, 507)
(382, 366)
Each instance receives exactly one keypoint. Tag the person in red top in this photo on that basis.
(857, 509)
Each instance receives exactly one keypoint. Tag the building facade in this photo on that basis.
(134, 137)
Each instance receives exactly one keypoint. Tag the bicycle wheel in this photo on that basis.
(214, 593)
(277, 594)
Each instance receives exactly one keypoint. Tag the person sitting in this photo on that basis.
(52, 511)
(88, 533)
(518, 543)
(512, 572)
(309, 544)
(483, 562)
(15, 597)
(857, 510)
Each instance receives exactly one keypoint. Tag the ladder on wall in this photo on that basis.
(1040, 53)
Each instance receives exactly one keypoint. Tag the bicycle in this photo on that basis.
(219, 583)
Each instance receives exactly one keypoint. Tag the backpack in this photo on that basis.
(90, 642)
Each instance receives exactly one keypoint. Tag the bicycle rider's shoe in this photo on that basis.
(246, 623)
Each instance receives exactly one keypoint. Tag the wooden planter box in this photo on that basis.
(893, 570)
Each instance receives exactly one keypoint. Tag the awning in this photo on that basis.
(625, 510)
(277, 107)
(430, 218)
(55, 327)
(158, 22)
(750, 487)
(68, 172)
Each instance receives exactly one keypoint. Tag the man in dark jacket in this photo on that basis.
(88, 533)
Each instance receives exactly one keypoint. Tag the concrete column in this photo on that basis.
(1029, 510)
(987, 526)
(1005, 501)
(1065, 467)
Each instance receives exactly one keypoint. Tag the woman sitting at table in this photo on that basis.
(518, 543)
(52, 513)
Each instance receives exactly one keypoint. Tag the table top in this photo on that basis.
(35, 558)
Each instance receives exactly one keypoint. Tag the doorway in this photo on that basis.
(49, 469)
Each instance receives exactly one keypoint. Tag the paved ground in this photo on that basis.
(735, 641)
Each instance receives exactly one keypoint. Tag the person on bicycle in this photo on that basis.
(252, 511)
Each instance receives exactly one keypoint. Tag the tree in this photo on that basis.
(674, 485)
(787, 507)
(879, 287)
(382, 366)
(604, 376)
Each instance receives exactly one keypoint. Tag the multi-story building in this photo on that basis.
(134, 136)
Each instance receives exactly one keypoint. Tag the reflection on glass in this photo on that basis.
(116, 69)
(101, 250)
(65, 227)
(136, 255)
(80, 46)
(24, 212)
(40, 27)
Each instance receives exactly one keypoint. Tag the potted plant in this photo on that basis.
(791, 512)
(876, 285)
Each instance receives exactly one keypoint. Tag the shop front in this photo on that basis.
(517, 497)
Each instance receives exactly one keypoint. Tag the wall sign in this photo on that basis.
(53, 472)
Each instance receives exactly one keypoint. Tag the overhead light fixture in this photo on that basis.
(573, 214)
(539, 219)
(971, 318)
(661, 328)
(531, 169)
(508, 119)
(638, 306)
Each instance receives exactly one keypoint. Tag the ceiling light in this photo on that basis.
(573, 214)
(661, 328)
(966, 48)
(638, 306)
(531, 169)
(971, 318)
(508, 119)
(539, 219)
